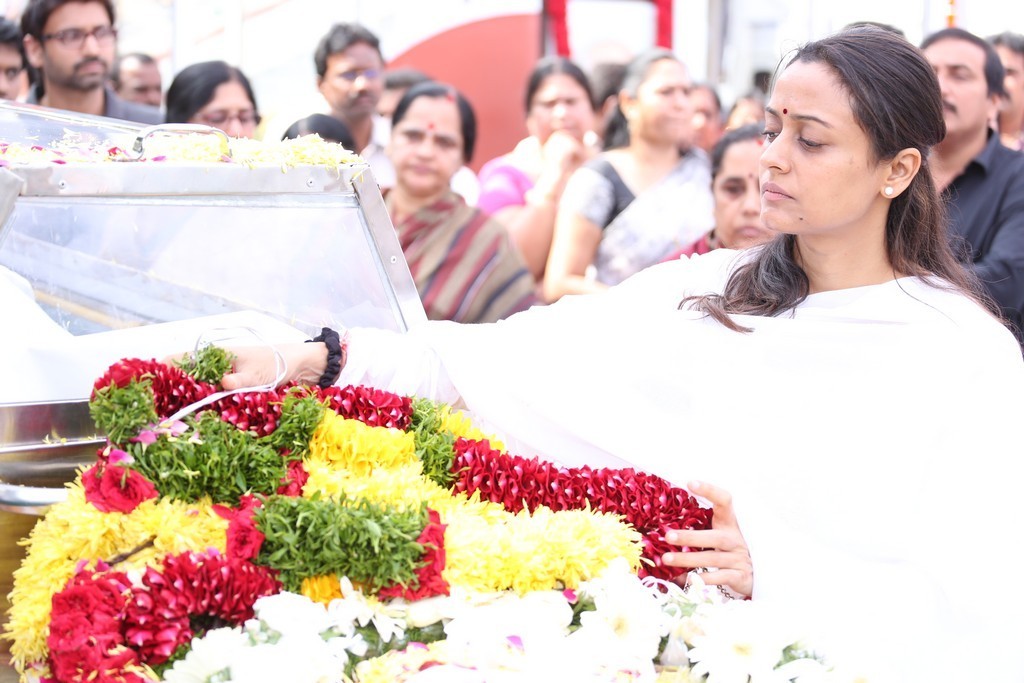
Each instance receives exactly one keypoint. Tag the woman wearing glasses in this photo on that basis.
(214, 94)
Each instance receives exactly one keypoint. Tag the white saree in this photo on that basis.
(869, 440)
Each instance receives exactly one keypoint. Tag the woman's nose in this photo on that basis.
(235, 128)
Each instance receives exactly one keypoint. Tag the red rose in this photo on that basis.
(293, 480)
(244, 539)
(116, 489)
(68, 632)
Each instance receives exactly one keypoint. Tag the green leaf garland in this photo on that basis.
(371, 544)
(122, 412)
(300, 416)
(211, 458)
(434, 444)
(209, 364)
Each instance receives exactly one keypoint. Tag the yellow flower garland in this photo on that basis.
(359, 448)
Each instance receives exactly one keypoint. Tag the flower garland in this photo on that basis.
(76, 529)
(422, 501)
(308, 150)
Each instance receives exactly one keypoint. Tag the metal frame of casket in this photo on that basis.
(141, 258)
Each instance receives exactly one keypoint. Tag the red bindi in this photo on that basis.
(430, 126)
(785, 111)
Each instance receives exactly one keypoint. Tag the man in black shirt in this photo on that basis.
(982, 179)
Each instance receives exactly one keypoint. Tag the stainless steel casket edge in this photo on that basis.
(42, 446)
(392, 260)
(169, 178)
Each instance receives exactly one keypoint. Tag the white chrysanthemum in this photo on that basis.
(428, 611)
(291, 614)
(498, 630)
(628, 618)
(208, 656)
(292, 658)
(740, 642)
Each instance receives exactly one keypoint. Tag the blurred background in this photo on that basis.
(487, 47)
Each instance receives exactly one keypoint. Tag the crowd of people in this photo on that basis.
(810, 301)
(613, 176)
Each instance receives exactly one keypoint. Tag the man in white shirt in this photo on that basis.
(350, 76)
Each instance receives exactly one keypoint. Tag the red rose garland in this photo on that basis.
(172, 387)
(255, 411)
(370, 406)
(648, 502)
(158, 617)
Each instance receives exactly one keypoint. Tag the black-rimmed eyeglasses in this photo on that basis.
(75, 37)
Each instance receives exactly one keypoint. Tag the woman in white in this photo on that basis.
(843, 383)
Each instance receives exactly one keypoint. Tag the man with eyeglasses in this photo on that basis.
(350, 76)
(12, 60)
(72, 44)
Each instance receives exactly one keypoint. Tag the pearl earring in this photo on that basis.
(888, 191)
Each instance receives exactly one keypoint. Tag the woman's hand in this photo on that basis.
(257, 365)
(562, 154)
(726, 551)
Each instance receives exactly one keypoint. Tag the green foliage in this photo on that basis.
(434, 444)
(212, 458)
(584, 603)
(121, 413)
(300, 416)
(370, 544)
(209, 364)
(376, 647)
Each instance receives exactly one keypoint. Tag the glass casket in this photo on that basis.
(137, 242)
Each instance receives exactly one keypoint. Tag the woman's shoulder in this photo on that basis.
(944, 301)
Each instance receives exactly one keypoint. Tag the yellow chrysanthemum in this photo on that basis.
(456, 422)
(322, 589)
(360, 448)
(398, 665)
(75, 530)
(539, 551)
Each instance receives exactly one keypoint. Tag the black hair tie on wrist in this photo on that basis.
(333, 341)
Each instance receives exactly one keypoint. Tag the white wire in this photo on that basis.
(280, 368)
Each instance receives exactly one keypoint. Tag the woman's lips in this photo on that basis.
(773, 192)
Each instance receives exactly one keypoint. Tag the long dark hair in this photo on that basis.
(895, 99)
(194, 86)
